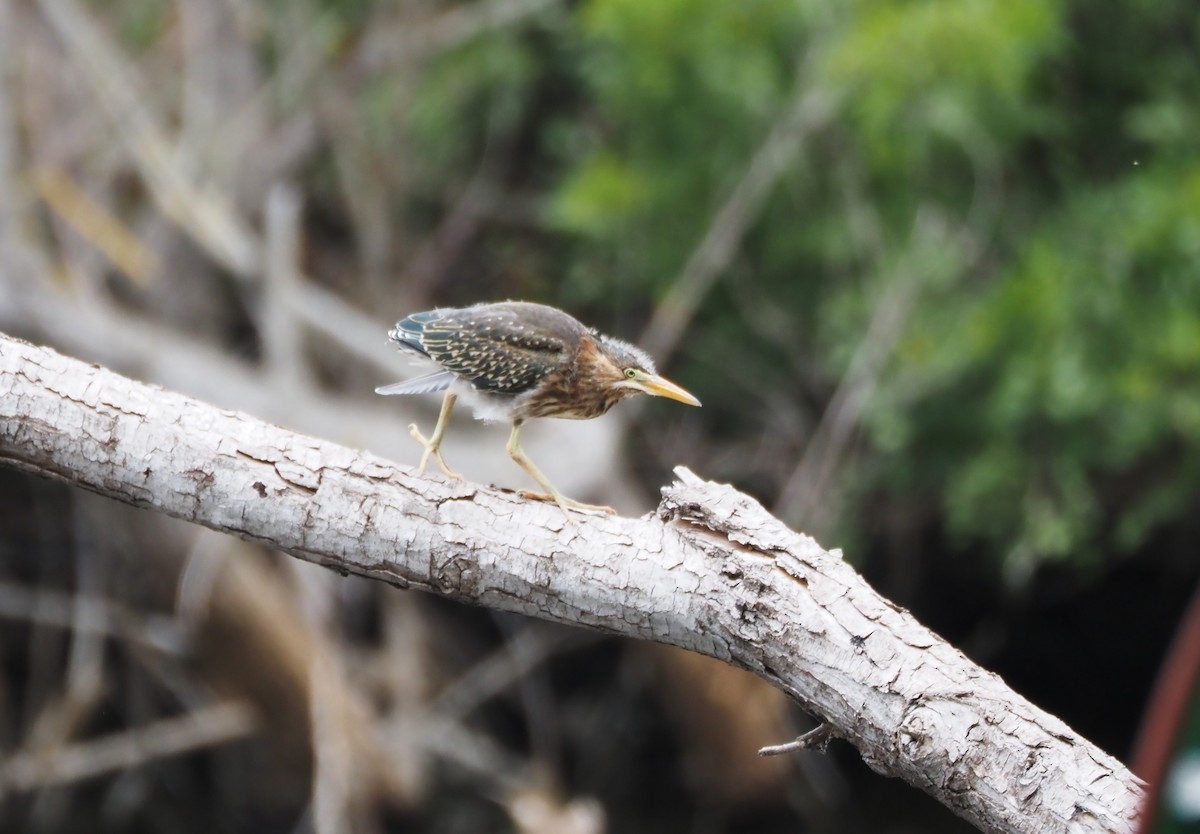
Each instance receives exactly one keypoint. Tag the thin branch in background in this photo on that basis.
(389, 44)
(208, 216)
(242, 130)
(333, 750)
(95, 223)
(524, 651)
(219, 77)
(294, 78)
(280, 333)
(810, 481)
(61, 717)
(365, 193)
(459, 226)
(85, 660)
(8, 131)
(207, 727)
(809, 110)
(544, 812)
(465, 219)
(362, 336)
(203, 212)
(824, 450)
(501, 772)
(109, 619)
(21, 262)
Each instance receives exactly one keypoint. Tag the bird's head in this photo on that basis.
(631, 371)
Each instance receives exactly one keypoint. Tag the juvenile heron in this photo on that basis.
(514, 361)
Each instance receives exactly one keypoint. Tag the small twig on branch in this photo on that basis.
(817, 738)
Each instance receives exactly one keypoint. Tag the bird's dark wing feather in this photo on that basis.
(407, 333)
(505, 348)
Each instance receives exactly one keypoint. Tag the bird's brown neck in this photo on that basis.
(583, 388)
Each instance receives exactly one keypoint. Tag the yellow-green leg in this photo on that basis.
(433, 445)
(565, 504)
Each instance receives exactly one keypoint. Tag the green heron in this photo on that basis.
(514, 361)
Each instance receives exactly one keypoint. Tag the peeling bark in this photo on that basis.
(712, 572)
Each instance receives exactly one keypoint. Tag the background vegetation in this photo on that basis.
(931, 265)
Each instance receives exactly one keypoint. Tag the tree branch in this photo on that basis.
(712, 572)
(206, 727)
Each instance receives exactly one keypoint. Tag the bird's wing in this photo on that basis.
(495, 348)
(427, 384)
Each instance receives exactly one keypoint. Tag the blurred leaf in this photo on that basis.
(600, 194)
(1088, 356)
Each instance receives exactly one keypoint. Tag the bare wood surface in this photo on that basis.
(712, 572)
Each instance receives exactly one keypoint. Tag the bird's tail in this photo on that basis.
(436, 381)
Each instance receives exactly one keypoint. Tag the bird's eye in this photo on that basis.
(630, 373)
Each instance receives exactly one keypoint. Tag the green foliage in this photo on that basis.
(603, 192)
(683, 91)
(942, 70)
(1069, 407)
(137, 23)
(478, 92)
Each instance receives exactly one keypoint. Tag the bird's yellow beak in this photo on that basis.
(657, 386)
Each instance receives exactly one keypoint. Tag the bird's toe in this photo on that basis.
(566, 503)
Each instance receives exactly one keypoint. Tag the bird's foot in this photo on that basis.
(431, 448)
(565, 503)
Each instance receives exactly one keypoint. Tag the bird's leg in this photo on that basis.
(433, 445)
(518, 454)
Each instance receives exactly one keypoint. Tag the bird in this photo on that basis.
(514, 361)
